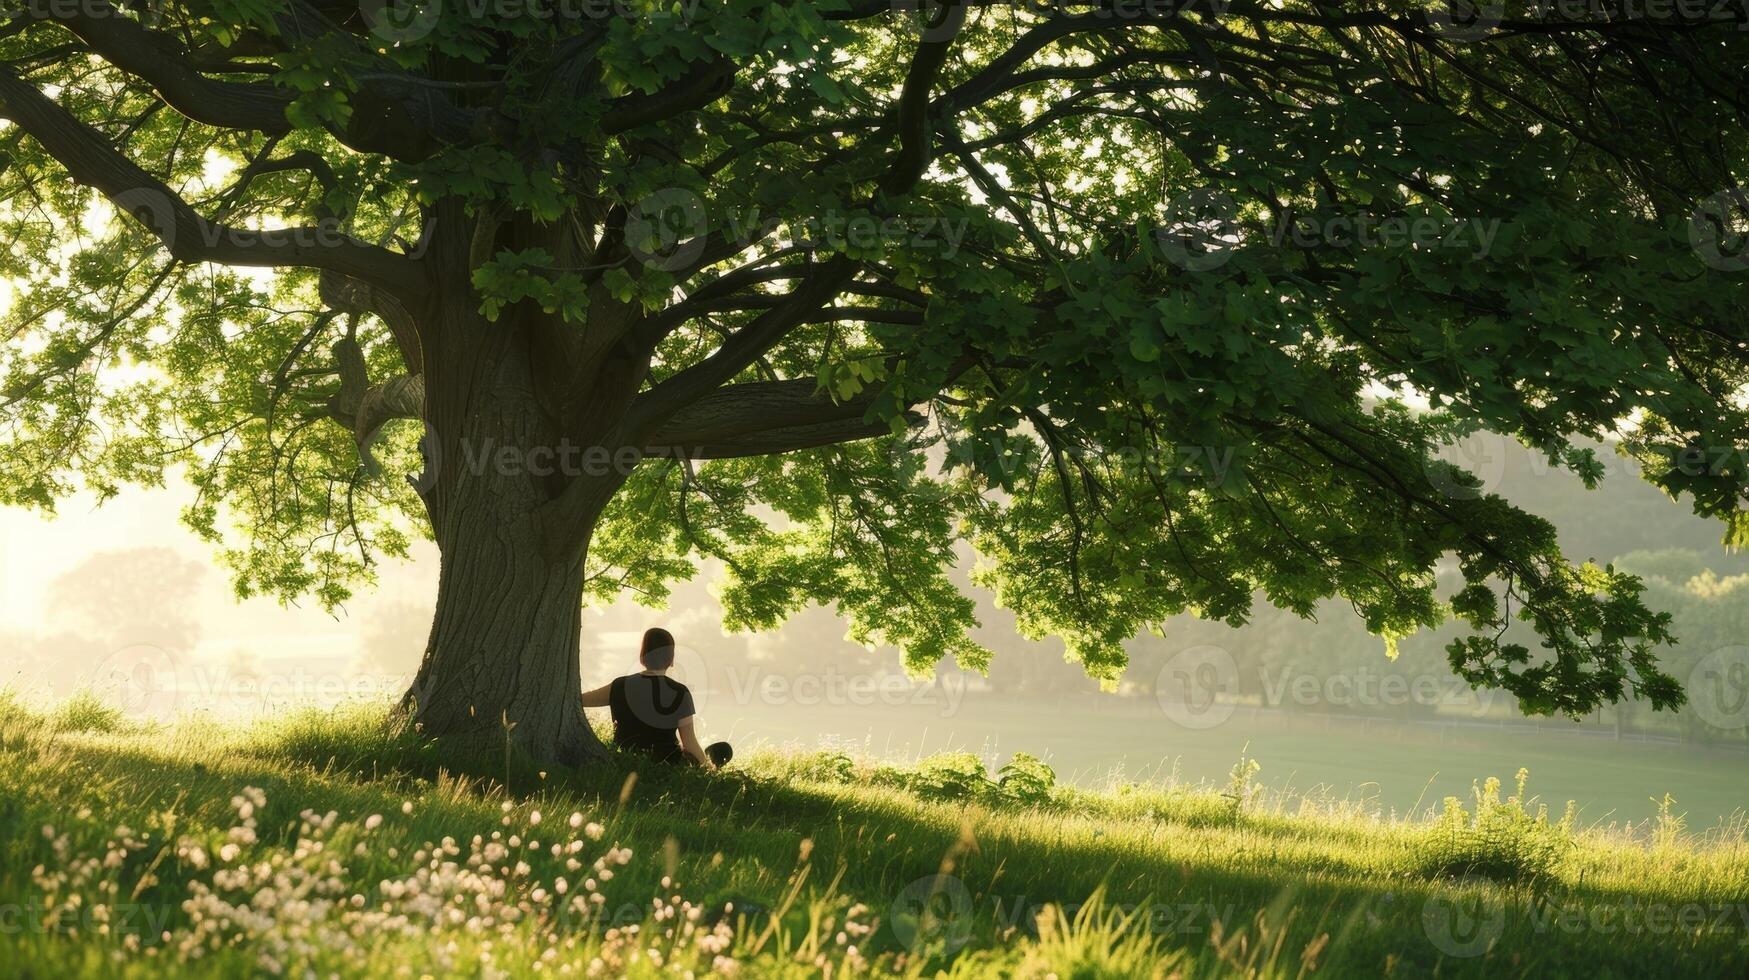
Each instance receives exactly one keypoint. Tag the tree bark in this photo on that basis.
(502, 659)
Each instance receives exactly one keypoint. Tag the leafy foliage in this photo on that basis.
(1086, 280)
(1503, 840)
(827, 766)
(951, 776)
(1026, 780)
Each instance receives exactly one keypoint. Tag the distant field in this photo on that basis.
(1087, 737)
(318, 844)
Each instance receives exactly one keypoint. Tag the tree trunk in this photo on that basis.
(502, 659)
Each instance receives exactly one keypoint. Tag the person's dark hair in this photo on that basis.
(658, 649)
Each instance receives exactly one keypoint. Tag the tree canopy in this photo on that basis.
(1165, 306)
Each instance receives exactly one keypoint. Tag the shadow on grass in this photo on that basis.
(751, 837)
(742, 840)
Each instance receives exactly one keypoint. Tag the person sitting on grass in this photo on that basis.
(653, 712)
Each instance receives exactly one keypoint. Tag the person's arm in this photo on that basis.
(601, 697)
(689, 743)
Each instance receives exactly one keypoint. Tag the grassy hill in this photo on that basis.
(322, 844)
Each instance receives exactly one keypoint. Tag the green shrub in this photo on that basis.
(829, 766)
(1502, 840)
(1026, 780)
(889, 777)
(952, 776)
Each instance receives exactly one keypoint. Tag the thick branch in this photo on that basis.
(787, 439)
(654, 408)
(913, 112)
(998, 75)
(130, 47)
(695, 90)
(761, 418)
(392, 112)
(741, 409)
(92, 161)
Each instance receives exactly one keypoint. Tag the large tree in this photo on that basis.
(1165, 306)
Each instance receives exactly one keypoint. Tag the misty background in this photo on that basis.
(125, 591)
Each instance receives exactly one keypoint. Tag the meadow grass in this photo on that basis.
(327, 843)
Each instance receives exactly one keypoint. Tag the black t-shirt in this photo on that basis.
(647, 712)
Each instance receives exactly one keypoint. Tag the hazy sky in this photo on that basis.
(37, 551)
(93, 580)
